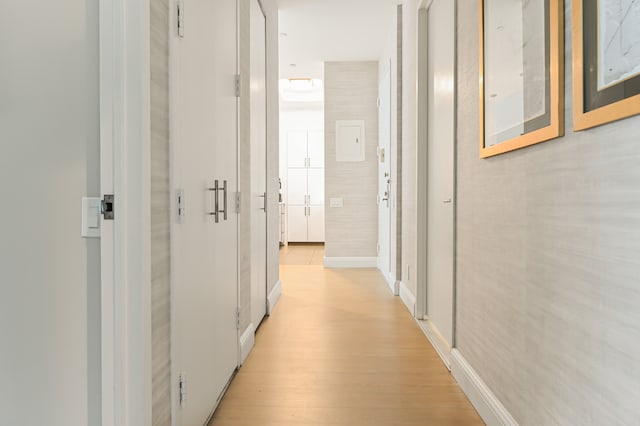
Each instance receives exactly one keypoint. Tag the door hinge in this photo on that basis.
(107, 207)
(237, 88)
(378, 248)
(378, 102)
(238, 200)
(237, 318)
(180, 16)
(182, 390)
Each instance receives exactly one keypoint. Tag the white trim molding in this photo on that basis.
(247, 341)
(439, 343)
(125, 145)
(408, 298)
(350, 262)
(274, 297)
(485, 402)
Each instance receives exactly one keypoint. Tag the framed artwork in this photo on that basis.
(606, 61)
(521, 73)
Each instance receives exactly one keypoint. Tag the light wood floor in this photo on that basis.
(339, 349)
(302, 254)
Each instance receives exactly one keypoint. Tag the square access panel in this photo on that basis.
(349, 140)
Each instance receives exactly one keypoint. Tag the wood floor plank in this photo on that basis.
(339, 349)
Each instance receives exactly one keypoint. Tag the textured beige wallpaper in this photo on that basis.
(548, 260)
(160, 216)
(351, 93)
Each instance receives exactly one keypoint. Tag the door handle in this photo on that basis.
(224, 200)
(447, 201)
(215, 190)
(264, 197)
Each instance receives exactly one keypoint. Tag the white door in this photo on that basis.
(204, 260)
(258, 165)
(384, 173)
(297, 148)
(440, 148)
(50, 285)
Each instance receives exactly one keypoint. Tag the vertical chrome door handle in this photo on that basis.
(215, 190)
(224, 200)
(264, 197)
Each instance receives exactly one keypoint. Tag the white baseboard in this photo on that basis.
(351, 262)
(439, 343)
(274, 297)
(485, 402)
(408, 298)
(247, 340)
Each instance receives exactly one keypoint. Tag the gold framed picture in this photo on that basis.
(606, 61)
(521, 73)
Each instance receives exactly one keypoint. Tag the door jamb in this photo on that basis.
(125, 163)
(422, 156)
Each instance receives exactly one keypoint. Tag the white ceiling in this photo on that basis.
(331, 30)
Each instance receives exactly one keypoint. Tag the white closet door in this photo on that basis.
(297, 148)
(296, 223)
(204, 260)
(315, 186)
(315, 147)
(297, 187)
(315, 222)
(258, 96)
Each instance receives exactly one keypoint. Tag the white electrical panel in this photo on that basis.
(350, 141)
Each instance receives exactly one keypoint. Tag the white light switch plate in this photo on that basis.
(91, 217)
(335, 202)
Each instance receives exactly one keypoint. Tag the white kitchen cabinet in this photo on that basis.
(297, 149)
(315, 223)
(305, 186)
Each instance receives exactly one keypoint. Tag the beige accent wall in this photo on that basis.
(548, 260)
(160, 216)
(351, 93)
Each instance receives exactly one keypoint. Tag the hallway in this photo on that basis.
(341, 350)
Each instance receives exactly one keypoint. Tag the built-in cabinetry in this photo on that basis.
(305, 186)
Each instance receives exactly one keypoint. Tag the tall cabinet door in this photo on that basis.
(315, 186)
(297, 187)
(297, 149)
(203, 258)
(315, 223)
(315, 148)
(297, 223)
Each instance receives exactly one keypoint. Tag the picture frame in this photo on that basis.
(521, 73)
(606, 62)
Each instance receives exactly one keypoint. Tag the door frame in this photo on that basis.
(389, 278)
(422, 174)
(125, 164)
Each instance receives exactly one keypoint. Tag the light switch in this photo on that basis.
(335, 202)
(91, 217)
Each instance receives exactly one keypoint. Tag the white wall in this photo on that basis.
(50, 282)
